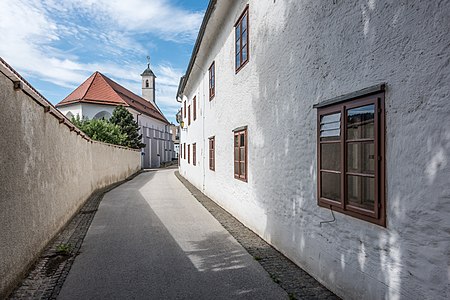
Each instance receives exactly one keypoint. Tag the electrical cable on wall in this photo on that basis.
(329, 221)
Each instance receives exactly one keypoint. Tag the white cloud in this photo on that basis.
(52, 40)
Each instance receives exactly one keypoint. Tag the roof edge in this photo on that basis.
(208, 13)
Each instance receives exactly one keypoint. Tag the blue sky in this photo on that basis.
(57, 44)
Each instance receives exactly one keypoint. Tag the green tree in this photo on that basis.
(101, 130)
(124, 119)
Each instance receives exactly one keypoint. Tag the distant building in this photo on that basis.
(324, 127)
(98, 96)
(175, 130)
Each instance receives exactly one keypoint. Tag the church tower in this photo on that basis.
(148, 83)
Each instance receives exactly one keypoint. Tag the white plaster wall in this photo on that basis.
(75, 109)
(47, 172)
(89, 110)
(303, 52)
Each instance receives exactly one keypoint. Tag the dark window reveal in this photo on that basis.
(212, 81)
(212, 154)
(194, 154)
(194, 104)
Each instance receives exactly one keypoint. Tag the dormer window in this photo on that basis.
(147, 84)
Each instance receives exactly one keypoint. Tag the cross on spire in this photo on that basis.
(148, 61)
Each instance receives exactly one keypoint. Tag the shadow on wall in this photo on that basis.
(317, 50)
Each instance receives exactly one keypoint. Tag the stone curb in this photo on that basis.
(46, 278)
(293, 279)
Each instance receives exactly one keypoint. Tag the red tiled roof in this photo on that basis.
(99, 89)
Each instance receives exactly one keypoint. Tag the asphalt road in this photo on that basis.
(151, 239)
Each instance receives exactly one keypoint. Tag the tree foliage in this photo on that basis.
(124, 119)
(120, 129)
(101, 130)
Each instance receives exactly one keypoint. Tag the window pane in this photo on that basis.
(242, 170)
(236, 140)
(238, 46)
(330, 184)
(236, 153)
(330, 127)
(238, 32)
(242, 140)
(244, 38)
(361, 158)
(360, 122)
(244, 22)
(236, 168)
(361, 191)
(238, 60)
(242, 152)
(244, 54)
(330, 156)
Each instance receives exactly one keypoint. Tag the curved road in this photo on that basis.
(151, 239)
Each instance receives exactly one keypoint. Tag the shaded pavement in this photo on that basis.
(151, 239)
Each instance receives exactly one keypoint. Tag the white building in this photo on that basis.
(324, 126)
(175, 130)
(99, 95)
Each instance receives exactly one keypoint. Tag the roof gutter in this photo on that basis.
(183, 80)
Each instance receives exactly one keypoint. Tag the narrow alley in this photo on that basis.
(151, 239)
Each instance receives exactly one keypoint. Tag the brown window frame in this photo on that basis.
(189, 114)
(239, 160)
(238, 38)
(378, 214)
(212, 155)
(189, 154)
(184, 109)
(194, 154)
(212, 80)
(184, 151)
(194, 110)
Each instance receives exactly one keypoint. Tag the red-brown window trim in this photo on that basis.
(194, 154)
(189, 154)
(184, 109)
(237, 149)
(238, 24)
(212, 80)
(189, 114)
(194, 104)
(212, 155)
(184, 151)
(378, 215)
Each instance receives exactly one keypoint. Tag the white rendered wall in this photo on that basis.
(303, 52)
(74, 109)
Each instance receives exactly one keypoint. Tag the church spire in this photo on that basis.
(148, 83)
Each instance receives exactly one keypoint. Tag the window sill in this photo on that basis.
(240, 179)
(380, 221)
(242, 66)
